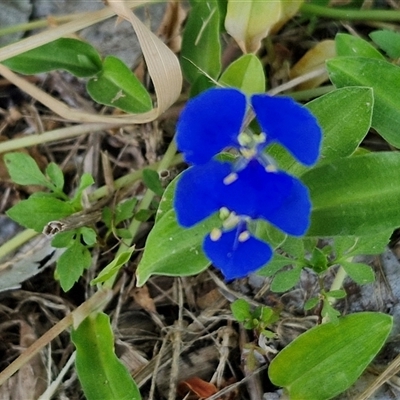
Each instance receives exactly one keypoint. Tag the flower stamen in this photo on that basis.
(215, 234)
(230, 178)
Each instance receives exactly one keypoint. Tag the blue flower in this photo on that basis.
(251, 187)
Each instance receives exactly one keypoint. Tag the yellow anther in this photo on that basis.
(245, 235)
(215, 234)
(230, 178)
(271, 168)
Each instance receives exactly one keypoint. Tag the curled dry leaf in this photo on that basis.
(313, 60)
(198, 387)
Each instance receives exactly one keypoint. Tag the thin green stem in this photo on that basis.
(337, 283)
(17, 241)
(350, 14)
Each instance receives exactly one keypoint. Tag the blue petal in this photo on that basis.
(274, 196)
(293, 215)
(256, 192)
(293, 126)
(234, 258)
(198, 192)
(209, 123)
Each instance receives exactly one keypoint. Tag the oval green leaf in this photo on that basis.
(362, 71)
(201, 46)
(328, 359)
(355, 196)
(117, 86)
(101, 373)
(388, 41)
(349, 45)
(246, 74)
(72, 55)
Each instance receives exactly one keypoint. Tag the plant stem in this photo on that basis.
(350, 14)
(17, 241)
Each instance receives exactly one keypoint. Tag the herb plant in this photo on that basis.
(273, 187)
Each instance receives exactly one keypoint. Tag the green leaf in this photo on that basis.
(89, 235)
(100, 372)
(345, 117)
(318, 261)
(36, 212)
(328, 359)
(246, 73)
(388, 41)
(124, 210)
(361, 71)
(77, 57)
(356, 195)
(117, 86)
(56, 175)
(311, 303)
(349, 45)
(267, 232)
(336, 294)
(63, 239)
(174, 251)
(359, 272)
(285, 280)
(85, 181)
(71, 264)
(349, 246)
(240, 310)
(23, 170)
(114, 266)
(152, 180)
(201, 47)
(329, 312)
(278, 262)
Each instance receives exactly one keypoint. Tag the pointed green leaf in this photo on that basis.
(71, 264)
(241, 310)
(77, 57)
(117, 86)
(113, 267)
(361, 71)
(349, 45)
(23, 170)
(152, 180)
(327, 359)
(100, 372)
(285, 280)
(201, 47)
(388, 41)
(359, 272)
(56, 175)
(36, 212)
(354, 196)
(246, 73)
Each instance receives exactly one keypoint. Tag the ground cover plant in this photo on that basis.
(198, 226)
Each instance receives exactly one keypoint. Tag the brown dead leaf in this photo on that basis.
(313, 60)
(199, 388)
(142, 297)
(171, 26)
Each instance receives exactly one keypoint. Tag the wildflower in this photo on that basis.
(249, 188)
